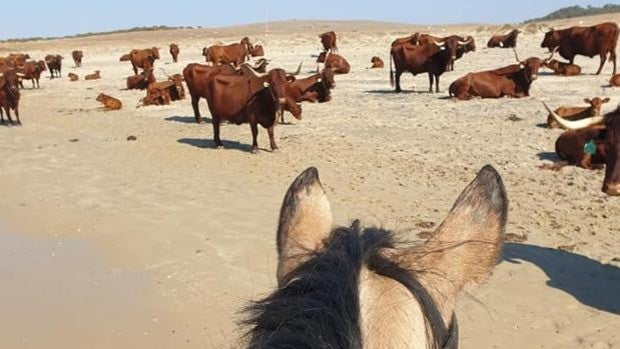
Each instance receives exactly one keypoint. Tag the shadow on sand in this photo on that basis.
(548, 155)
(187, 119)
(209, 143)
(590, 282)
(392, 92)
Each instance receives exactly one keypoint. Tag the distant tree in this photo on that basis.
(577, 11)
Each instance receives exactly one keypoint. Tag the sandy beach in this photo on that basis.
(161, 241)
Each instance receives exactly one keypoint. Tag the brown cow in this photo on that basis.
(591, 144)
(143, 58)
(32, 71)
(577, 113)
(196, 77)
(412, 39)
(77, 57)
(615, 81)
(600, 39)
(434, 58)
(174, 52)
(466, 44)
(95, 76)
(504, 41)
(329, 42)
(142, 80)
(254, 99)
(257, 51)
(73, 77)
(234, 54)
(109, 103)
(561, 68)
(9, 94)
(514, 81)
(125, 58)
(334, 62)
(18, 59)
(376, 62)
(313, 89)
(54, 64)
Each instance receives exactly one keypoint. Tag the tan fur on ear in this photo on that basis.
(305, 221)
(466, 246)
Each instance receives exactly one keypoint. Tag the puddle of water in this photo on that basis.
(59, 294)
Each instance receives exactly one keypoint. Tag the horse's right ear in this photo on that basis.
(305, 221)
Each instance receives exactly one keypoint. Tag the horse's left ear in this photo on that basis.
(305, 221)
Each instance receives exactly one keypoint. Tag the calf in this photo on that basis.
(615, 81)
(334, 62)
(73, 77)
(376, 63)
(95, 76)
(9, 94)
(77, 57)
(174, 52)
(54, 64)
(109, 103)
(561, 68)
(577, 113)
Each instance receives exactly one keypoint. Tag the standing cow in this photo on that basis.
(9, 94)
(77, 57)
(54, 64)
(174, 52)
(600, 40)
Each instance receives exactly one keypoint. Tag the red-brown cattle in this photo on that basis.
(504, 41)
(334, 62)
(577, 113)
(109, 102)
(514, 81)
(32, 71)
(94, 76)
(377, 63)
(174, 52)
(73, 77)
(466, 44)
(434, 58)
(412, 39)
(615, 81)
(197, 77)
(54, 64)
(142, 80)
(329, 42)
(143, 58)
(599, 40)
(9, 94)
(234, 54)
(254, 99)
(77, 57)
(257, 51)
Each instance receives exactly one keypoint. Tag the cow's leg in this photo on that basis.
(17, 115)
(215, 121)
(437, 83)
(254, 127)
(21, 84)
(1, 116)
(135, 69)
(195, 100)
(272, 141)
(397, 78)
(612, 58)
(8, 115)
(603, 59)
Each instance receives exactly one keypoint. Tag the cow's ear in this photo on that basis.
(305, 221)
(587, 100)
(606, 100)
(290, 79)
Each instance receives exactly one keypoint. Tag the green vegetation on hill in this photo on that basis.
(120, 31)
(576, 11)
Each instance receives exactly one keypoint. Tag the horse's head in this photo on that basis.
(361, 288)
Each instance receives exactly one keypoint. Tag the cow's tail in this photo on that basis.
(391, 69)
(612, 49)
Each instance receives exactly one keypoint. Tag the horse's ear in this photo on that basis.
(468, 243)
(305, 221)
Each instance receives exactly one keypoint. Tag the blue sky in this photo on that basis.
(65, 17)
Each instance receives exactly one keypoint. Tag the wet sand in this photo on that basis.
(173, 229)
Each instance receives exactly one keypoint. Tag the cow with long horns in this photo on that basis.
(591, 144)
(514, 80)
(578, 113)
(600, 39)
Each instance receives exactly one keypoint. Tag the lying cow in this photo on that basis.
(561, 68)
(54, 64)
(234, 54)
(142, 80)
(109, 103)
(254, 99)
(257, 51)
(95, 76)
(32, 71)
(164, 92)
(77, 57)
(376, 62)
(334, 62)
(504, 41)
(314, 89)
(73, 77)
(513, 81)
(615, 81)
(9, 94)
(577, 113)
(174, 52)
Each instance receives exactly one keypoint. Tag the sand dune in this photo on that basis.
(200, 222)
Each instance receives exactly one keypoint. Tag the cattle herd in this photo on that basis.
(239, 92)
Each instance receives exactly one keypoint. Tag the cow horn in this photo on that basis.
(552, 53)
(542, 31)
(1, 74)
(439, 44)
(20, 75)
(467, 42)
(575, 125)
(251, 70)
(516, 55)
(163, 71)
(297, 71)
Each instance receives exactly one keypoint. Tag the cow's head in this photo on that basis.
(276, 82)
(10, 79)
(325, 82)
(530, 66)
(41, 66)
(551, 40)
(611, 183)
(596, 103)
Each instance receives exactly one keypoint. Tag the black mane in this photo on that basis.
(319, 306)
